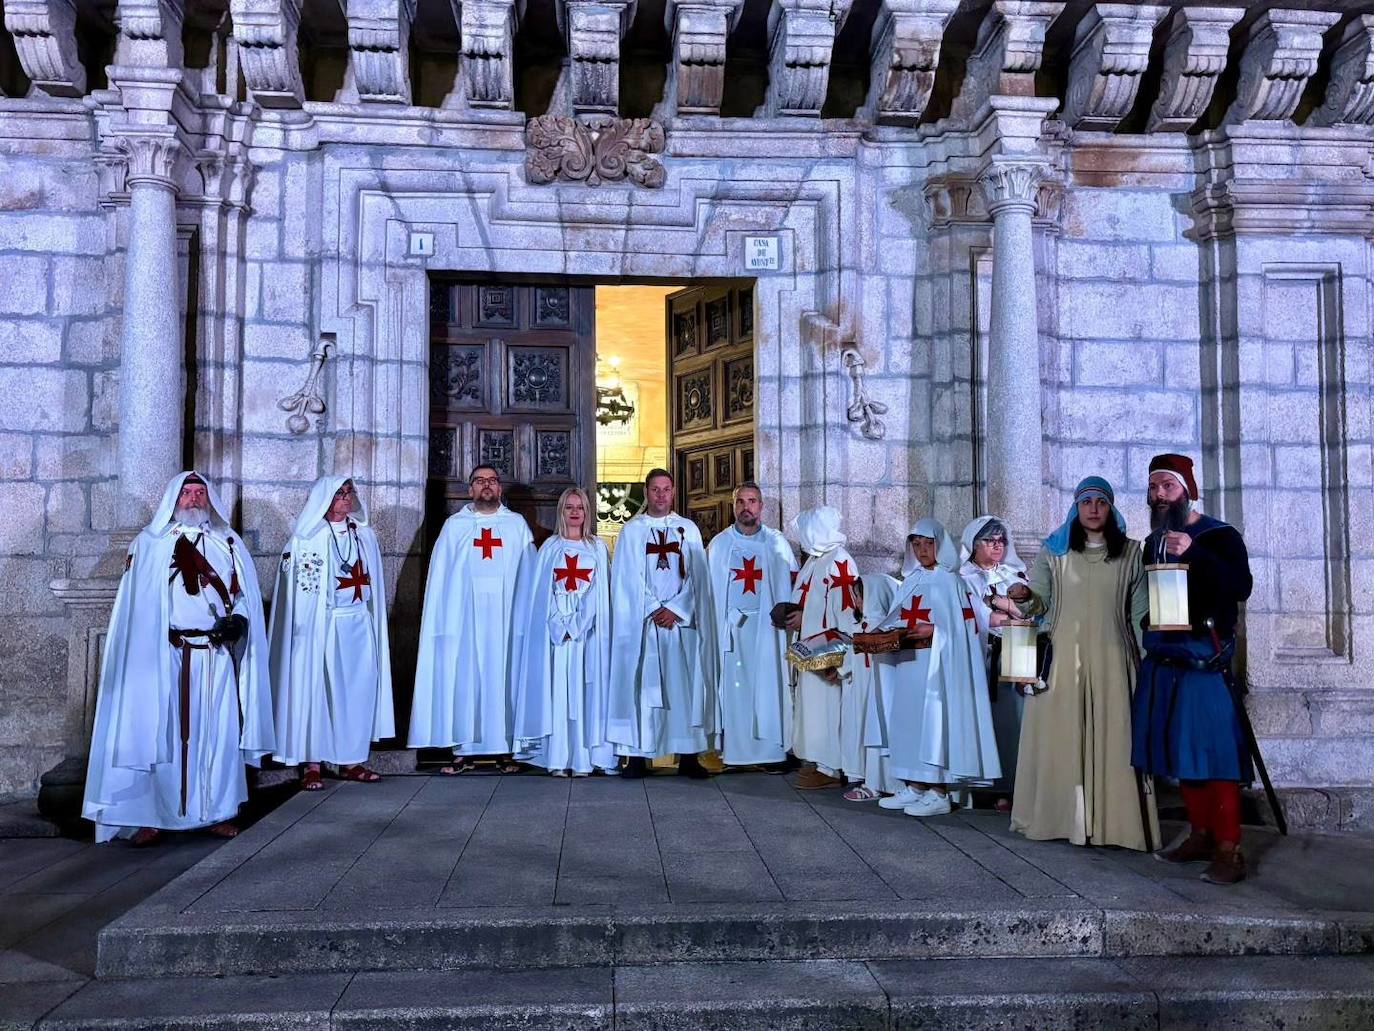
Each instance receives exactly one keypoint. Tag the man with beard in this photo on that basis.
(462, 672)
(184, 698)
(663, 678)
(751, 570)
(1185, 720)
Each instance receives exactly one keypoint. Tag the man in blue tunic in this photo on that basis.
(1185, 721)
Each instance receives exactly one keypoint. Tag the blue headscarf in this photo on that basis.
(1057, 543)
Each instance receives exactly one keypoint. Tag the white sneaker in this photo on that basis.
(907, 796)
(931, 804)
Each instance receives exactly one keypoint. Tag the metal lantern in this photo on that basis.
(1168, 584)
(1019, 665)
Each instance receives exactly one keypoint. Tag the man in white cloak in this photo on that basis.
(940, 733)
(184, 699)
(331, 665)
(462, 672)
(828, 706)
(752, 566)
(662, 652)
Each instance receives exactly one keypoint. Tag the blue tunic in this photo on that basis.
(1184, 721)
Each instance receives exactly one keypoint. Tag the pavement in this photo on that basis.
(734, 902)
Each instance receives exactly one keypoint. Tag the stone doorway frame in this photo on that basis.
(374, 299)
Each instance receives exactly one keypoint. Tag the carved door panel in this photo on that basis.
(710, 334)
(512, 384)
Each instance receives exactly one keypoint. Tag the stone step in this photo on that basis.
(220, 943)
(1254, 992)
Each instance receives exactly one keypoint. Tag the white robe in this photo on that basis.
(135, 776)
(1008, 703)
(940, 731)
(827, 714)
(750, 573)
(462, 672)
(876, 672)
(562, 657)
(662, 681)
(330, 656)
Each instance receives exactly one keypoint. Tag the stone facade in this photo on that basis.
(1018, 245)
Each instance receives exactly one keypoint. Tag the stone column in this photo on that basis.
(1014, 470)
(152, 374)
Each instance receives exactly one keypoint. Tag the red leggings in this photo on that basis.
(1213, 805)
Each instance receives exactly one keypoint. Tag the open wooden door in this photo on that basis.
(710, 333)
(512, 384)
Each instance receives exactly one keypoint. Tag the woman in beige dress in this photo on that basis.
(1074, 778)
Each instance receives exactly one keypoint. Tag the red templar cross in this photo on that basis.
(915, 614)
(571, 574)
(751, 574)
(356, 579)
(844, 580)
(805, 589)
(487, 542)
(968, 609)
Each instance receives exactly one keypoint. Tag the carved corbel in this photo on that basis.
(594, 29)
(265, 31)
(487, 28)
(1194, 58)
(696, 73)
(906, 52)
(1110, 52)
(44, 34)
(1280, 56)
(1007, 52)
(149, 33)
(1350, 96)
(801, 36)
(379, 49)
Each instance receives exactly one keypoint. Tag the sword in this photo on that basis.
(1248, 730)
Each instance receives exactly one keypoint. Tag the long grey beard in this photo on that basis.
(192, 516)
(1172, 517)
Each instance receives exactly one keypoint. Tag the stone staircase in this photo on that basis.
(188, 958)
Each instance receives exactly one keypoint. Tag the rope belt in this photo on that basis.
(187, 641)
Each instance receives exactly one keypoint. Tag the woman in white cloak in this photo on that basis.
(940, 733)
(991, 567)
(331, 663)
(561, 649)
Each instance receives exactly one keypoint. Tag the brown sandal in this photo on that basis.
(312, 780)
(359, 773)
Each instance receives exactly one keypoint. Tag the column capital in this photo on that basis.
(1012, 185)
(153, 159)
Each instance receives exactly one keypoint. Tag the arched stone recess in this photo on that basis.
(374, 299)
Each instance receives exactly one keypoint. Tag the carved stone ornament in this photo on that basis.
(150, 159)
(1350, 95)
(697, 70)
(309, 398)
(379, 49)
(1280, 56)
(269, 58)
(1012, 184)
(1008, 51)
(44, 34)
(1111, 50)
(1194, 58)
(906, 53)
(600, 150)
(862, 408)
(801, 36)
(594, 29)
(959, 200)
(488, 32)
(149, 33)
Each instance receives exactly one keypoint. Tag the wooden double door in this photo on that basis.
(512, 384)
(710, 334)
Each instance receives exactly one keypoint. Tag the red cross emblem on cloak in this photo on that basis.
(571, 574)
(662, 547)
(914, 614)
(487, 541)
(356, 579)
(968, 609)
(844, 580)
(750, 575)
(805, 588)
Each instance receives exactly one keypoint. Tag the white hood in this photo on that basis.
(818, 529)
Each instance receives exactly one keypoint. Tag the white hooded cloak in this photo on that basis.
(940, 730)
(462, 671)
(750, 573)
(330, 660)
(135, 775)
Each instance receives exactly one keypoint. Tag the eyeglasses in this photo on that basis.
(995, 542)
(479, 480)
